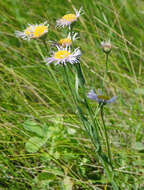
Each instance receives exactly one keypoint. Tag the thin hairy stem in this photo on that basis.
(45, 44)
(106, 134)
(106, 70)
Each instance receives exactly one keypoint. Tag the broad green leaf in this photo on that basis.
(34, 144)
(34, 127)
(138, 146)
(46, 131)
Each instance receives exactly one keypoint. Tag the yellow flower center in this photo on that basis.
(39, 31)
(35, 31)
(61, 54)
(64, 42)
(102, 97)
(28, 31)
(69, 17)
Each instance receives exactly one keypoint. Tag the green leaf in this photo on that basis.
(139, 91)
(80, 74)
(138, 146)
(34, 144)
(34, 127)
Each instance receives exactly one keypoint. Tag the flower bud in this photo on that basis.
(106, 46)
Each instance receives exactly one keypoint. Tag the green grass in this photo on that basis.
(31, 91)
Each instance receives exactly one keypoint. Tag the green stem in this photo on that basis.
(45, 44)
(106, 70)
(95, 125)
(106, 135)
(92, 131)
(71, 29)
(110, 173)
(80, 74)
(68, 82)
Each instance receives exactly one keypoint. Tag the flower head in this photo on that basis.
(106, 46)
(101, 98)
(65, 42)
(64, 55)
(33, 31)
(68, 19)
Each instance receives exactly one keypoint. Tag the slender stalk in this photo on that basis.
(110, 171)
(71, 30)
(106, 70)
(95, 115)
(68, 82)
(80, 74)
(95, 126)
(92, 131)
(45, 44)
(106, 135)
(90, 111)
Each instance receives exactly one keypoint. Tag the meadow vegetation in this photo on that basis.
(43, 144)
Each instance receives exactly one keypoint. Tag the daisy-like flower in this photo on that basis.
(106, 46)
(68, 19)
(101, 98)
(33, 31)
(65, 42)
(63, 56)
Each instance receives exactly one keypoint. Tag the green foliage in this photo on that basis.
(67, 183)
(34, 144)
(35, 128)
(43, 145)
(139, 91)
(138, 146)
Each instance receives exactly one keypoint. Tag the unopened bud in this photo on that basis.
(106, 46)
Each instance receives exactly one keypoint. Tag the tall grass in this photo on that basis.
(33, 92)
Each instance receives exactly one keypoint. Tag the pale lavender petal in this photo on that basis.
(92, 95)
(111, 100)
(48, 60)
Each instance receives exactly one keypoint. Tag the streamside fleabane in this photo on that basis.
(33, 31)
(68, 19)
(106, 46)
(64, 56)
(65, 42)
(101, 98)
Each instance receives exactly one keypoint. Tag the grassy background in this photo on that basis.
(30, 91)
